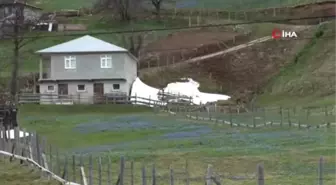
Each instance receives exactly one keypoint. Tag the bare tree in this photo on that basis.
(132, 46)
(13, 26)
(124, 8)
(157, 5)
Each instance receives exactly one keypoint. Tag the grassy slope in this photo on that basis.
(16, 174)
(310, 79)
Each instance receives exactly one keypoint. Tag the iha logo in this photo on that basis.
(277, 34)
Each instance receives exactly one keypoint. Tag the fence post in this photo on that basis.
(109, 174)
(66, 171)
(153, 175)
(38, 152)
(74, 168)
(264, 115)
(289, 120)
(209, 175)
(58, 163)
(326, 116)
(143, 174)
(320, 170)
(90, 170)
(122, 169)
(253, 118)
(99, 171)
(132, 172)
(281, 118)
(50, 158)
(187, 173)
(17, 141)
(260, 170)
(231, 123)
(171, 176)
(2, 138)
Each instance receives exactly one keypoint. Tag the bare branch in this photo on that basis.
(157, 5)
(15, 26)
(123, 8)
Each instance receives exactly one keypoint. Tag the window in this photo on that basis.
(116, 86)
(70, 62)
(106, 61)
(50, 88)
(81, 88)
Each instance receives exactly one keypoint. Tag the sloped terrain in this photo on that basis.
(181, 46)
(244, 73)
(311, 77)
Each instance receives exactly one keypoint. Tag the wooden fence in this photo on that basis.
(71, 169)
(30, 98)
(300, 117)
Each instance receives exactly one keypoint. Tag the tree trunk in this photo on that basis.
(158, 13)
(15, 69)
(18, 23)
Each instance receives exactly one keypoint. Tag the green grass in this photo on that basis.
(310, 78)
(14, 173)
(65, 118)
(289, 155)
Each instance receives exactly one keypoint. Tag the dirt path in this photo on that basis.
(204, 57)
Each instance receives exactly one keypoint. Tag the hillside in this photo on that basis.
(241, 74)
(243, 71)
(311, 77)
(211, 4)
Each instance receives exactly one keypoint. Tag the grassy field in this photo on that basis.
(13, 173)
(289, 155)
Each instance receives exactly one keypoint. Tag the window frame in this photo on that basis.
(84, 90)
(115, 88)
(70, 62)
(106, 61)
(51, 90)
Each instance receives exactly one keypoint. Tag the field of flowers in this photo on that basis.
(288, 154)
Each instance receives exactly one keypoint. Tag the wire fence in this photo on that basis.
(300, 117)
(97, 169)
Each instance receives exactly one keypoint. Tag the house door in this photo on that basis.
(98, 91)
(63, 90)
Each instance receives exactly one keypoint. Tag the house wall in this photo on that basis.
(85, 97)
(88, 67)
(131, 74)
(48, 97)
(75, 96)
(108, 86)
